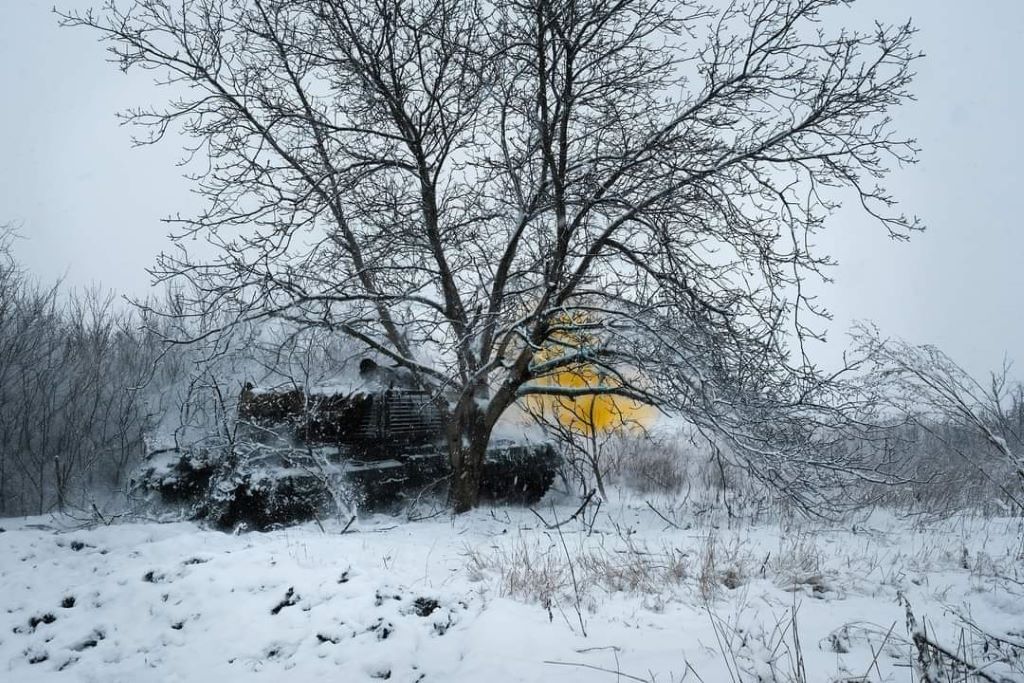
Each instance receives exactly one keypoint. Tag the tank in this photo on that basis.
(301, 453)
(388, 445)
(386, 440)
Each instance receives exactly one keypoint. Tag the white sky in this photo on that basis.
(90, 206)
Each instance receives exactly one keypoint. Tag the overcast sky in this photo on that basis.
(89, 205)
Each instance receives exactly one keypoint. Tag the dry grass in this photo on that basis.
(539, 569)
(723, 563)
(725, 566)
(527, 570)
(649, 467)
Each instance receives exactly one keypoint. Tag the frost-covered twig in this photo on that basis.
(592, 667)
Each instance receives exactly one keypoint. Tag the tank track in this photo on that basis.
(273, 494)
(513, 473)
(298, 454)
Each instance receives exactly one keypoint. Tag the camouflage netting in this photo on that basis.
(231, 490)
(259, 488)
(177, 476)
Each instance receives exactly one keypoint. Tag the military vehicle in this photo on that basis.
(381, 442)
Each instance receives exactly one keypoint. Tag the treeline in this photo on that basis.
(89, 383)
(74, 408)
(943, 464)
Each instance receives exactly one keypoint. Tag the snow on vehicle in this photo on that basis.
(296, 450)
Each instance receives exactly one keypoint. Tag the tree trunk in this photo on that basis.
(468, 436)
(465, 488)
(59, 482)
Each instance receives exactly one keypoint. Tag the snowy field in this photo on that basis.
(632, 593)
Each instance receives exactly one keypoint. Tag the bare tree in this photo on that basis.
(10, 285)
(72, 373)
(444, 181)
(928, 387)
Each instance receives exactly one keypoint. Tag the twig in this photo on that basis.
(416, 501)
(666, 519)
(719, 636)
(598, 668)
(985, 634)
(689, 667)
(97, 512)
(574, 515)
(593, 518)
(572, 574)
(350, 521)
(422, 518)
(801, 671)
(922, 641)
(875, 655)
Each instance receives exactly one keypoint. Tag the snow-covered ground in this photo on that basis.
(655, 594)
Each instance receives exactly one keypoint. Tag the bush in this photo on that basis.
(647, 465)
(232, 488)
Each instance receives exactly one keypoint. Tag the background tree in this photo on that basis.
(444, 181)
(73, 407)
(584, 423)
(928, 388)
